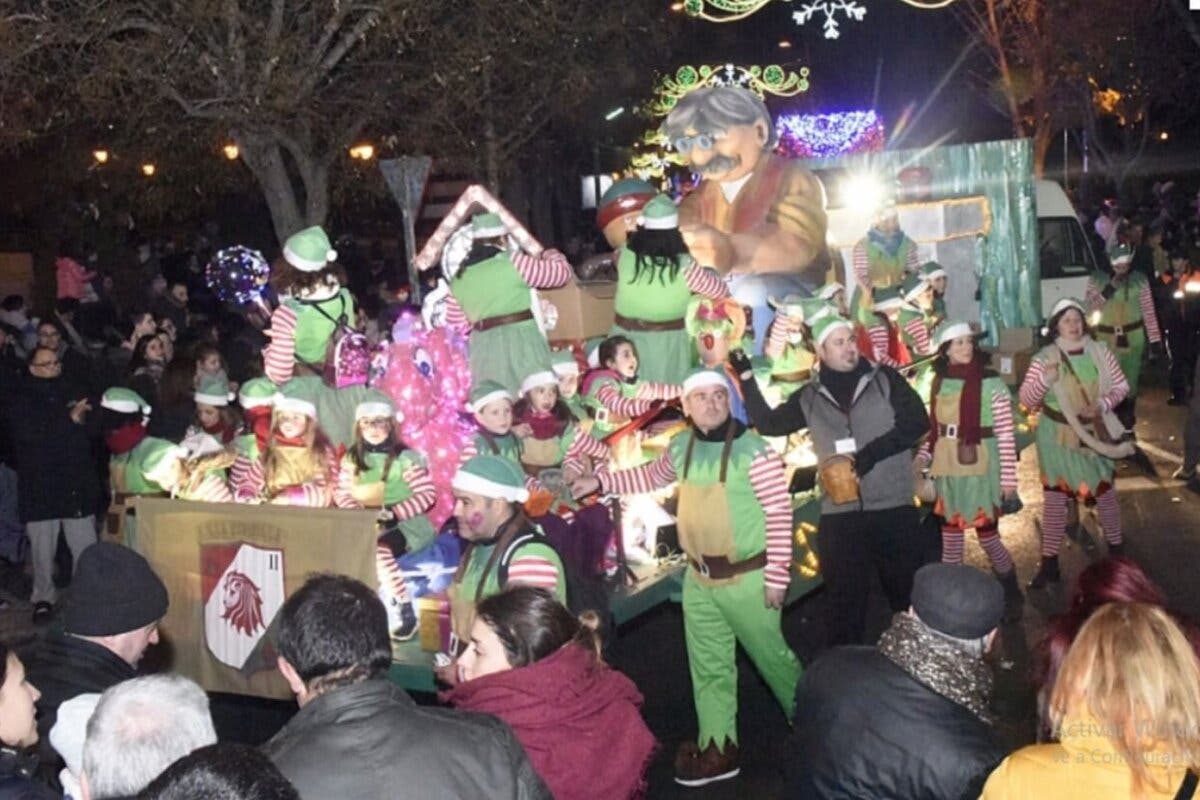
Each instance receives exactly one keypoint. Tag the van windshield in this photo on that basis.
(1062, 249)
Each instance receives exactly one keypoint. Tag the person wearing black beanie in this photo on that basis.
(111, 618)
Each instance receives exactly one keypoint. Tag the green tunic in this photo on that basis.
(1122, 310)
(317, 321)
(576, 405)
(1063, 464)
(136, 481)
(968, 495)
(505, 353)
(491, 585)
(663, 356)
(418, 531)
(506, 446)
(795, 361)
(885, 269)
(607, 422)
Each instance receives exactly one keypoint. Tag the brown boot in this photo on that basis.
(696, 767)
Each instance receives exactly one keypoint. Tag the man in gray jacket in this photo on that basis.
(868, 413)
(359, 735)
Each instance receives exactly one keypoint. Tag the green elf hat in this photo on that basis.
(493, 477)
(659, 214)
(950, 330)
(931, 270)
(213, 391)
(124, 401)
(1120, 253)
(377, 408)
(309, 250)
(288, 400)
(815, 308)
(823, 327)
(702, 377)
(257, 392)
(159, 455)
(542, 378)
(790, 305)
(830, 290)
(888, 298)
(623, 197)
(487, 226)
(563, 363)
(913, 286)
(486, 392)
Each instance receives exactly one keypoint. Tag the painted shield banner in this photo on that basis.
(242, 591)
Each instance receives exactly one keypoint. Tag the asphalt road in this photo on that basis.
(1161, 532)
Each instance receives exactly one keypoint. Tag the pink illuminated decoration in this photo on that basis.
(428, 377)
(826, 135)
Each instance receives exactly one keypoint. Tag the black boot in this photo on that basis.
(1047, 573)
(407, 626)
(1014, 601)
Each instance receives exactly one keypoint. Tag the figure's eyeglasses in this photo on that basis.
(705, 141)
(47, 364)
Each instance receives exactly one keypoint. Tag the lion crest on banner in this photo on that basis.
(243, 591)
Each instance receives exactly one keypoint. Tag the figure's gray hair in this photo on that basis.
(139, 728)
(716, 108)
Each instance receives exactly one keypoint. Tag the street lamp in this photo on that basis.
(101, 156)
(1162, 137)
(149, 169)
(230, 151)
(363, 152)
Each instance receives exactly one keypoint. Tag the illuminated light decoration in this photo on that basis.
(148, 170)
(363, 152)
(826, 135)
(734, 10)
(238, 275)
(101, 156)
(231, 151)
(771, 79)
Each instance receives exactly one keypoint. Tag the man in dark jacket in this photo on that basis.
(359, 735)
(907, 718)
(867, 414)
(57, 485)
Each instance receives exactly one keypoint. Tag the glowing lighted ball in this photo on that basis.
(238, 275)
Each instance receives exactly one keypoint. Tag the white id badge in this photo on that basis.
(845, 447)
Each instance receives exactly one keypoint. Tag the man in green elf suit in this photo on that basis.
(734, 518)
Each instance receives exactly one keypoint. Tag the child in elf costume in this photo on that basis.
(177, 472)
(614, 394)
(656, 279)
(550, 437)
(377, 471)
(214, 414)
(792, 358)
(123, 418)
(888, 344)
(913, 316)
(834, 294)
(566, 369)
(297, 462)
(256, 397)
(935, 274)
(314, 308)
(491, 303)
(972, 453)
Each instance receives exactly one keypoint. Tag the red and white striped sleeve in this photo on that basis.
(860, 265)
(1093, 297)
(424, 495)
(1002, 426)
(916, 329)
(546, 272)
(647, 478)
(1034, 387)
(584, 445)
(279, 356)
(614, 401)
(879, 344)
(342, 495)
(456, 318)
(247, 478)
(1149, 316)
(771, 491)
(649, 390)
(469, 451)
(776, 339)
(705, 282)
(1120, 386)
(212, 489)
(533, 570)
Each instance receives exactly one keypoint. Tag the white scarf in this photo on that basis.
(1122, 447)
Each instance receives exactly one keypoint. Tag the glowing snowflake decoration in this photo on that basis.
(830, 8)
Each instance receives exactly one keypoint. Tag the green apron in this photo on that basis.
(1064, 462)
(968, 493)
(373, 489)
(663, 356)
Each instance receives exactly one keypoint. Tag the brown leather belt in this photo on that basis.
(1119, 329)
(721, 568)
(488, 323)
(951, 431)
(1050, 413)
(792, 377)
(631, 324)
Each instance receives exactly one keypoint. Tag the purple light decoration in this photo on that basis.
(825, 135)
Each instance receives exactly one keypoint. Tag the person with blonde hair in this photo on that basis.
(1126, 710)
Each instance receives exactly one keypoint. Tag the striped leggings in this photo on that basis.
(1054, 517)
(989, 540)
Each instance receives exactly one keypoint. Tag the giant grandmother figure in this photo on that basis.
(756, 216)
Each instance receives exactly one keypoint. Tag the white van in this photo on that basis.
(1064, 251)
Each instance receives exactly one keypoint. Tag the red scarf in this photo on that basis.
(258, 422)
(220, 431)
(125, 438)
(545, 425)
(578, 722)
(968, 403)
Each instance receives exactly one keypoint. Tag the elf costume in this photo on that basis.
(614, 401)
(304, 324)
(734, 520)
(1071, 457)
(934, 272)
(889, 344)
(566, 368)
(172, 469)
(972, 455)
(256, 397)
(880, 259)
(498, 443)
(1123, 315)
(214, 391)
(300, 467)
(653, 292)
(792, 359)
(491, 302)
(554, 443)
(517, 554)
(124, 415)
